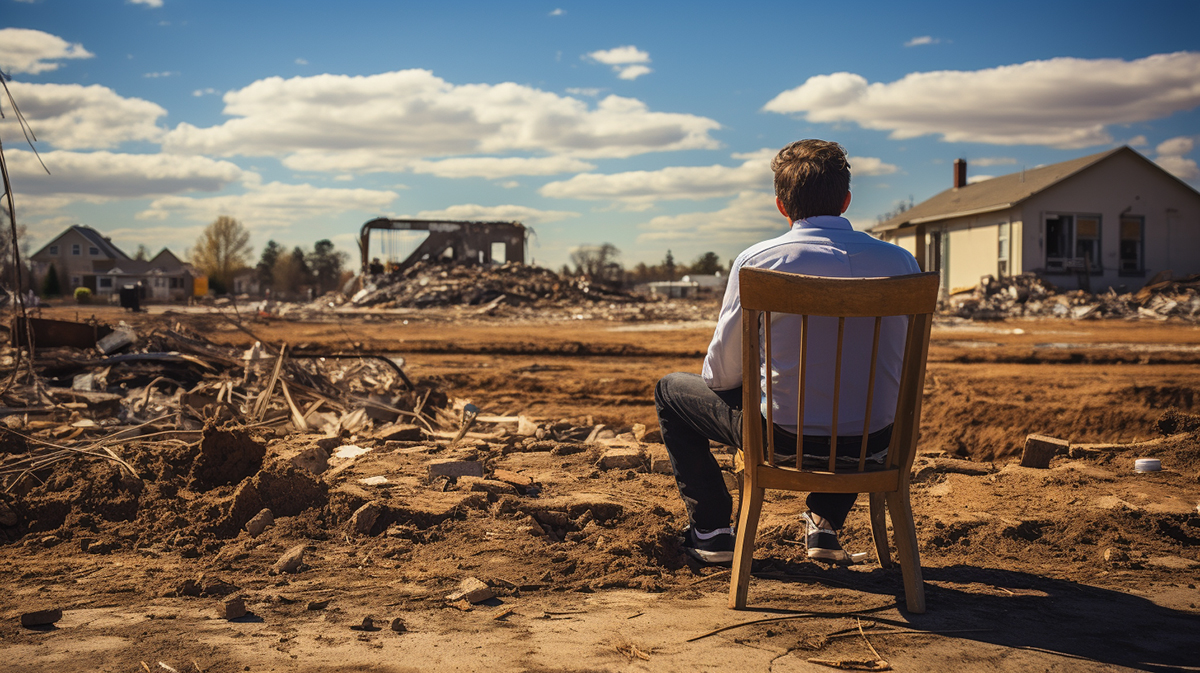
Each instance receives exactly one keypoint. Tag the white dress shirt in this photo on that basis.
(818, 246)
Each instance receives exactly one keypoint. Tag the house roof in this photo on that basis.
(998, 193)
(94, 237)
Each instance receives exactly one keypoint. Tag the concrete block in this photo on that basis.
(260, 522)
(621, 459)
(364, 518)
(291, 560)
(232, 608)
(1039, 449)
(472, 590)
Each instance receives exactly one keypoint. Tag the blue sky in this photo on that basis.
(645, 125)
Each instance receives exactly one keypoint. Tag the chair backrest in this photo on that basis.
(887, 320)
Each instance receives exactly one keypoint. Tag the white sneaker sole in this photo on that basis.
(710, 556)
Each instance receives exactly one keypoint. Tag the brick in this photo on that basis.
(233, 608)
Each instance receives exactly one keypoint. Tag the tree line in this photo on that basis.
(223, 250)
(602, 264)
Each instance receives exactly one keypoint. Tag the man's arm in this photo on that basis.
(723, 363)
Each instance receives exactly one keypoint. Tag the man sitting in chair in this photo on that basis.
(812, 189)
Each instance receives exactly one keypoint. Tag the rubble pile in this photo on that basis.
(433, 283)
(1030, 296)
(170, 444)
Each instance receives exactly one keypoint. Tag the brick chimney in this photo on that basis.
(960, 173)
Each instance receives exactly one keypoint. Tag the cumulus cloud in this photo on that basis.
(148, 3)
(500, 167)
(1061, 102)
(591, 92)
(104, 176)
(272, 204)
(993, 161)
(1172, 156)
(978, 178)
(205, 92)
(471, 211)
(627, 61)
(384, 122)
(750, 216)
(72, 116)
(922, 40)
(27, 51)
(640, 189)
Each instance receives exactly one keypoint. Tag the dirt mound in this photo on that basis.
(1175, 421)
(227, 455)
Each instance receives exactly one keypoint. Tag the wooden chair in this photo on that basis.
(765, 292)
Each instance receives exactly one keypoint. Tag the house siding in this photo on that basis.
(1123, 184)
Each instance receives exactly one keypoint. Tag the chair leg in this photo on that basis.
(906, 549)
(743, 549)
(879, 530)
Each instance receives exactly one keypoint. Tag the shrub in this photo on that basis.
(83, 295)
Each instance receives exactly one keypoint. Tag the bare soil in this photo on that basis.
(1084, 566)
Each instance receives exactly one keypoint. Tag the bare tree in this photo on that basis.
(222, 250)
(598, 262)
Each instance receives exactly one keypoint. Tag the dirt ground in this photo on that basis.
(1085, 566)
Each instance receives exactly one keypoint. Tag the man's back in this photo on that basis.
(819, 246)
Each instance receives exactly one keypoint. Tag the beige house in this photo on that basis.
(83, 257)
(1113, 219)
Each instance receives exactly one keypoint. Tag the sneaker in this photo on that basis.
(713, 546)
(823, 543)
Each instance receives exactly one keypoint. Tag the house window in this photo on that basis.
(158, 282)
(76, 281)
(1002, 250)
(54, 250)
(175, 283)
(104, 283)
(75, 249)
(94, 251)
(1073, 243)
(1132, 232)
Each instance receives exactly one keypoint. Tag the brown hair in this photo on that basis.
(812, 178)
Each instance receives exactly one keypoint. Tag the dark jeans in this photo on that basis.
(690, 414)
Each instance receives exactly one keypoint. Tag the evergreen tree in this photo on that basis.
(50, 285)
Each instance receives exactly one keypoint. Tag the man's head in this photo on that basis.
(812, 177)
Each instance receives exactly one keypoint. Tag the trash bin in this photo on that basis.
(130, 298)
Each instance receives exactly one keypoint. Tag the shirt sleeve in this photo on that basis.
(723, 364)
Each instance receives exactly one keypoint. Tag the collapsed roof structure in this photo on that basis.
(399, 246)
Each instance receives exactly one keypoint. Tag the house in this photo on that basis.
(246, 282)
(1112, 219)
(83, 257)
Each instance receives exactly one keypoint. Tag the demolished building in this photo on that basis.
(399, 243)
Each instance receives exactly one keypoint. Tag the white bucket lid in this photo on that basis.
(1147, 465)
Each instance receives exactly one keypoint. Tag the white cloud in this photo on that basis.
(992, 161)
(383, 122)
(978, 178)
(72, 116)
(627, 61)
(620, 55)
(301, 61)
(205, 92)
(26, 51)
(558, 12)
(148, 3)
(471, 211)
(750, 216)
(500, 167)
(632, 72)
(591, 92)
(1172, 156)
(271, 205)
(1061, 102)
(643, 188)
(1137, 141)
(864, 166)
(156, 75)
(922, 40)
(104, 176)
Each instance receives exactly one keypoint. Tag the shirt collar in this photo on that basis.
(823, 222)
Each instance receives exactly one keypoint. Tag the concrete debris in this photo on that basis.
(398, 625)
(291, 560)
(364, 518)
(1040, 449)
(622, 459)
(367, 624)
(1031, 296)
(259, 523)
(233, 608)
(472, 590)
(455, 468)
(41, 617)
